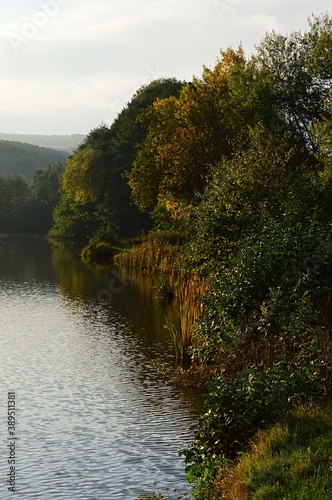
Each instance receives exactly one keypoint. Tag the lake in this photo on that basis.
(84, 361)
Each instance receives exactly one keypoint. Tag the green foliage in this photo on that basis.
(178, 345)
(256, 290)
(100, 251)
(267, 181)
(189, 134)
(276, 290)
(93, 176)
(73, 220)
(237, 166)
(14, 194)
(209, 123)
(46, 185)
(253, 399)
(300, 72)
(164, 288)
(29, 210)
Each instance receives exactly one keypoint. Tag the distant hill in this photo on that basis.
(23, 159)
(61, 142)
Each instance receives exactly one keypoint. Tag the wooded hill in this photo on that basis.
(24, 159)
(66, 143)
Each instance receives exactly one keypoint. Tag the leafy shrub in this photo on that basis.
(255, 398)
(97, 251)
(254, 292)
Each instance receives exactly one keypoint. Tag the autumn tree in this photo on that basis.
(284, 88)
(92, 181)
(190, 134)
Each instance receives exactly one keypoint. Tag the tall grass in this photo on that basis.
(189, 294)
(150, 256)
(161, 258)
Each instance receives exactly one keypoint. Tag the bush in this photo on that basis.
(254, 292)
(255, 398)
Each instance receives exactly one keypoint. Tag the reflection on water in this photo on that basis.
(95, 418)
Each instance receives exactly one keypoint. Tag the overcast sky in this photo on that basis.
(69, 65)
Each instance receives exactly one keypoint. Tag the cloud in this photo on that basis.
(71, 66)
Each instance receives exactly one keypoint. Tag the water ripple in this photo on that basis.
(94, 419)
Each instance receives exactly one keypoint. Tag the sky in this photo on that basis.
(67, 66)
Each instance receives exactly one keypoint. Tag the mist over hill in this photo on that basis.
(66, 143)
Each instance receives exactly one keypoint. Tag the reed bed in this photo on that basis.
(161, 258)
(150, 256)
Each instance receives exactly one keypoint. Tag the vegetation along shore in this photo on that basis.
(227, 180)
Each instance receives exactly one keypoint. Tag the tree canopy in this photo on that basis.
(93, 183)
(283, 88)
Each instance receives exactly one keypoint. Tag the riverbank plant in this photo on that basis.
(292, 459)
(160, 255)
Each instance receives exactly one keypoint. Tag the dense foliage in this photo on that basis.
(241, 161)
(95, 198)
(238, 162)
(29, 209)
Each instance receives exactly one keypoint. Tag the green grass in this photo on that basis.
(292, 461)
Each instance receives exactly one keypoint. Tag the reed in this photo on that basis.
(150, 256)
(176, 339)
(161, 258)
(189, 297)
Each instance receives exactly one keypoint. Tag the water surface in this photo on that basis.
(80, 347)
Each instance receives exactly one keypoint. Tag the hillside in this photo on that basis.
(66, 143)
(23, 159)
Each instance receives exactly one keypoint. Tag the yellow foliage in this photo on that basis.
(78, 176)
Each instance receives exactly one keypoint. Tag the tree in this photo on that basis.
(44, 195)
(14, 194)
(190, 134)
(284, 88)
(300, 70)
(93, 175)
(269, 181)
(46, 184)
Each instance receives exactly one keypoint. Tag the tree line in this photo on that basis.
(180, 147)
(29, 208)
(239, 136)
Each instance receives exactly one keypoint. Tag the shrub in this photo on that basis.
(253, 399)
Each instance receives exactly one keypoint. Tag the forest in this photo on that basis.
(30, 182)
(29, 208)
(227, 180)
(24, 159)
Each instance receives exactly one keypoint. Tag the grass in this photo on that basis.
(188, 295)
(292, 460)
(157, 254)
